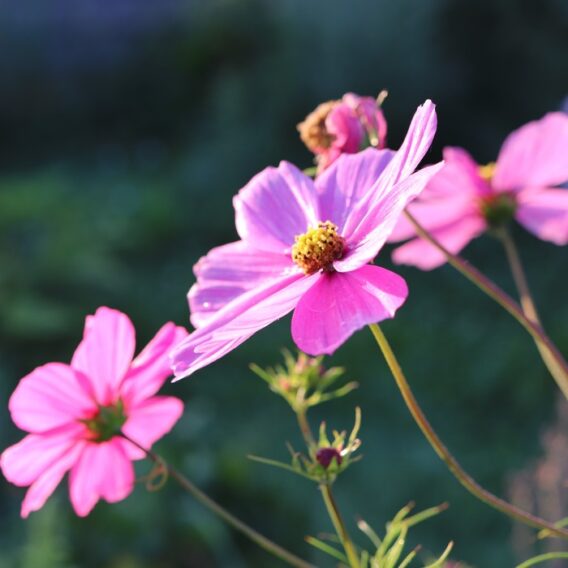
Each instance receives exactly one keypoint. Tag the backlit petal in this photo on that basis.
(274, 207)
(151, 367)
(152, 419)
(342, 186)
(238, 321)
(535, 155)
(51, 396)
(340, 304)
(44, 486)
(102, 471)
(106, 352)
(454, 236)
(377, 227)
(544, 212)
(228, 271)
(25, 461)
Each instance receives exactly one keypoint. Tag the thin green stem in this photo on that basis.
(305, 428)
(543, 558)
(461, 475)
(229, 518)
(554, 360)
(528, 305)
(339, 525)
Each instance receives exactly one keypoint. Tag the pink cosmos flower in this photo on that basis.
(74, 414)
(307, 246)
(464, 200)
(343, 127)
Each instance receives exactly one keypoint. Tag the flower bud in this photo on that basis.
(324, 456)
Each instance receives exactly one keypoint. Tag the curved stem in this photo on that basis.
(554, 360)
(461, 475)
(528, 305)
(339, 525)
(229, 518)
(543, 558)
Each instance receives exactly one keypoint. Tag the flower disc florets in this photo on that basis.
(498, 209)
(107, 422)
(316, 249)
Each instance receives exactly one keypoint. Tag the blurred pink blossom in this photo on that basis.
(306, 246)
(464, 200)
(74, 415)
(345, 126)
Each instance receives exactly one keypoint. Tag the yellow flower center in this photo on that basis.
(317, 248)
(487, 171)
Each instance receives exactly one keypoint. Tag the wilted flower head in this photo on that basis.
(306, 246)
(75, 414)
(343, 126)
(464, 199)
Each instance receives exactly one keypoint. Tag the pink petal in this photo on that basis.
(340, 304)
(346, 128)
(416, 143)
(131, 451)
(102, 471)
(46, 483)
(227, 272)
(25, 461)
(450, 195)
(50, 396)
(432, 214)
(534, 155)
(106, 352)
(238, 321)
(342, 186)
(152, 419)
(460, 175)
(377, 228)
(454, 236)
(370, 115)
(151, 367)
(544, 212)
(274, 207)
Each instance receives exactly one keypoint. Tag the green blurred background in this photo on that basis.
(126, 128)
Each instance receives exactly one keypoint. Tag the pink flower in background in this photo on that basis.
(343, 127)
(464, 200)
(307, 246)
(74, 414)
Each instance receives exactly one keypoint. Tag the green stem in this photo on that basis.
(339, 525)
(543, 558)
(461, 475)
(305, 428)
(528, 305)
(554, 360)
(230, 519)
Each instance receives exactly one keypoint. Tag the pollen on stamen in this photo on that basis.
(317, 248)
(487, 171)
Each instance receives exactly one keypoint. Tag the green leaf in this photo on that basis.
(324, 547)
(439, 563)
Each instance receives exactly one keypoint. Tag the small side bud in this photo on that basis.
(324, 456)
